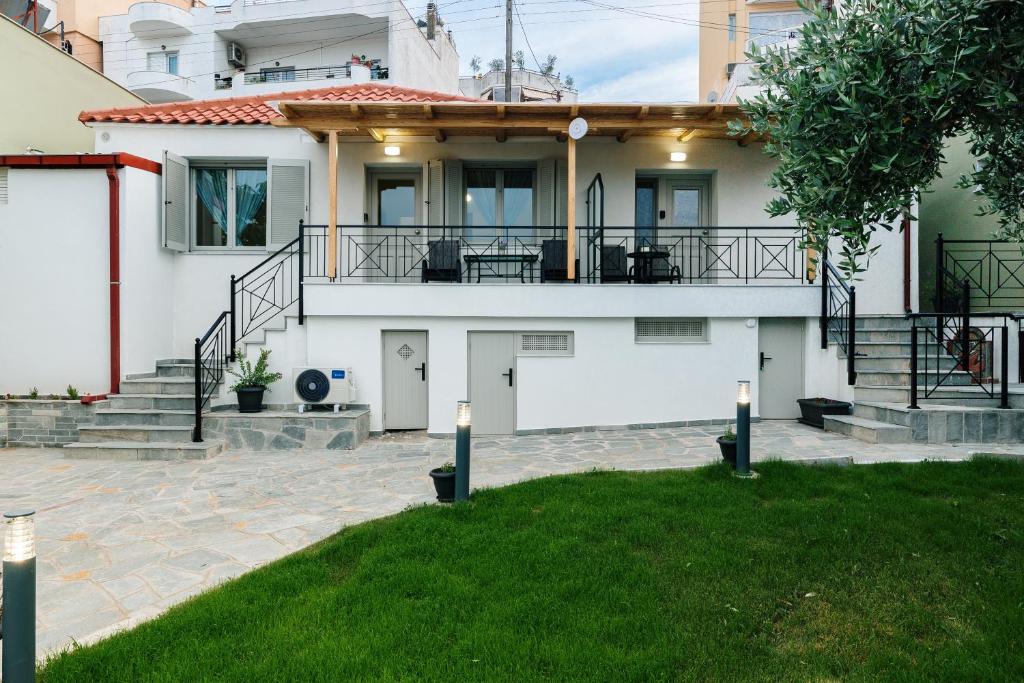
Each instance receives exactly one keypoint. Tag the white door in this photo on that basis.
(690, 206)
(405, 380)
(395, 248)
(492, 381)
(781, 359)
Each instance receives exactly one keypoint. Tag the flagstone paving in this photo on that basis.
(120, 542)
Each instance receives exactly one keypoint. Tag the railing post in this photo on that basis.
(940, 299)
(301, 272)
(913, 366)
(233, 337)
(965, 329)
(823, 274)
(851, 340)
(1004, 369)
(197, 430)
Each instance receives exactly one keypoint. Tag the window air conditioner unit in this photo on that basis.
(324, 386)
(236, 55)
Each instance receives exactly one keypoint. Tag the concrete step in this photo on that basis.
(883, 322)
(153, 450)
(136, 417)
(964, 396)
(870, 431)
(895, 363)
(957, 378)
(883, 335)
(161, 401)
(159, 385)
(138, 433)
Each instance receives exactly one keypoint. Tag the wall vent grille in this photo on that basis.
(671, 329)
(545, 343)
(3, 185)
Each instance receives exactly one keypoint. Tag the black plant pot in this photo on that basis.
(250, 399)
(728, 448)
(444, 484)
(814, 410)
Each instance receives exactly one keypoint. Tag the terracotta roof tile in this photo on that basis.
(254, 110)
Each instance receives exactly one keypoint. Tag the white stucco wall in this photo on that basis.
(53, 275)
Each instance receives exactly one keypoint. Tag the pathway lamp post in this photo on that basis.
(19, 600)
(463, 420)
(743, 429)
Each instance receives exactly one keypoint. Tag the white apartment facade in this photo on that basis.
(165, 53)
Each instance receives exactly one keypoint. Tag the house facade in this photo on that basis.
(448, 249)
(167, 53)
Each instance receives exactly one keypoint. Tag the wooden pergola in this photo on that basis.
(380, 121)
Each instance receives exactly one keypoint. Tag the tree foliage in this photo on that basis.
(857, 114)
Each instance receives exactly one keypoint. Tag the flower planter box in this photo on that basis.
(814, 410)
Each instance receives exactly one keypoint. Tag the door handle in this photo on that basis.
(422, 369)
(763, 359)
(509, 375)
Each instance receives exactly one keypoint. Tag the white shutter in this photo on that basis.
(435, 192)
(175, 216)
(561, 192)
(288, 199)
(546, 173)
(453, 191)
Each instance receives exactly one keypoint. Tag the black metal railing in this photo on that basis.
(265, 291)
(994, 270)
(212, 355)
(595, 202)
(954, 351)
(288, 75)
(705, 255)
(838, 318)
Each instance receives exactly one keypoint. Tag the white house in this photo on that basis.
(254, 47)
(449, 248)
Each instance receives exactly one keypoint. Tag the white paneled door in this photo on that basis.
(405, 380)
(781, 359)
(492, 380)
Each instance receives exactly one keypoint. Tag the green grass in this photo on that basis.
(896, 572)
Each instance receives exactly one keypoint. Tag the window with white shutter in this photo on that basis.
(289, 199)
(175, 214)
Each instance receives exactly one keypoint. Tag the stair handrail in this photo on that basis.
(841, 307)
(211, 358)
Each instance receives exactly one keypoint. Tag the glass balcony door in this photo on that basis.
(395, 246)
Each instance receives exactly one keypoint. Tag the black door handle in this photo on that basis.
(763, 359)
(509, 375)
(422, 369)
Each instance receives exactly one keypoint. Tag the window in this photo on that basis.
(498, 198)
(230, 206)
(646, 208)
(732, 27)
(164, 62)
(769, 28)
(670, 330)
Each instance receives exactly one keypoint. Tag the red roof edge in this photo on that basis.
(116, 159)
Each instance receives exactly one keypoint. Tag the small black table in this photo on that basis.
(645, 259)
(526, 262)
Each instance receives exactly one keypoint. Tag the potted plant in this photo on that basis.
(253, 380)
(814, 410)
(727, 444)
(444, 482)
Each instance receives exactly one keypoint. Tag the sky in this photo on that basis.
(616, 50)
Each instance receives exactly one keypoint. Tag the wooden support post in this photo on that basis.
(332, 204)
(570, 198)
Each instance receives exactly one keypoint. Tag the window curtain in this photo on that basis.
(250, 194)
(212, 188)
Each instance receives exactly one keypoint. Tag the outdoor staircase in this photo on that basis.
(953, 413)
(151, 420)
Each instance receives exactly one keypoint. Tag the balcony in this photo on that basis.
(618, 255)
(158, 20)
(158, 87)
(280, 78)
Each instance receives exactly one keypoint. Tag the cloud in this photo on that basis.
(674, 81)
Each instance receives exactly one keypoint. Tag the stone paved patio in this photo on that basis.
(119, 542)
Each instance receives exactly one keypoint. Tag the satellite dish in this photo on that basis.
(712, 97)
(577, 128)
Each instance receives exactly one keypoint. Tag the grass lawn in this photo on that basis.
(896, 572)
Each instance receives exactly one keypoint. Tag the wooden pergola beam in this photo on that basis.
(644, 110)
(315, 134)
(747, 139)
(428, 111)
(439, 135)
(375, 134)
(325, 122)
(501, 135)
(624, 136)
(570, 213)
(688, 135)
(332, 204)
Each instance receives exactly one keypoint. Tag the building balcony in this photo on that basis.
(270, 80)
(712, 255)
(158, 20)
(158, 87)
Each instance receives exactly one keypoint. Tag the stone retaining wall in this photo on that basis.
(42, 422)
(284, 430)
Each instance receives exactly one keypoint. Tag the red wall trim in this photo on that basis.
(117, 160)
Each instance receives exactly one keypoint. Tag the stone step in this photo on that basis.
(941, 423)
(139, 433)
(957, 378)
(883, 336)
(159, 385)
(897, 363)
(161, 401)
(870, 431)
(883, 323)
(135, 417)
(870, 349)
(965, 396)
(153, 450)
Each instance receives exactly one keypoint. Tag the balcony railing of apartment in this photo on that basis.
(377, 73)
(993, 271)
(705, 255)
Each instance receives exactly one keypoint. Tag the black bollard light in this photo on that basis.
(19, 620)
(463, 418)
(743, 429)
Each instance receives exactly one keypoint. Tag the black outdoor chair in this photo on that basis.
(553, 261)
(443, 262)
(664, 271)
(614, 267)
